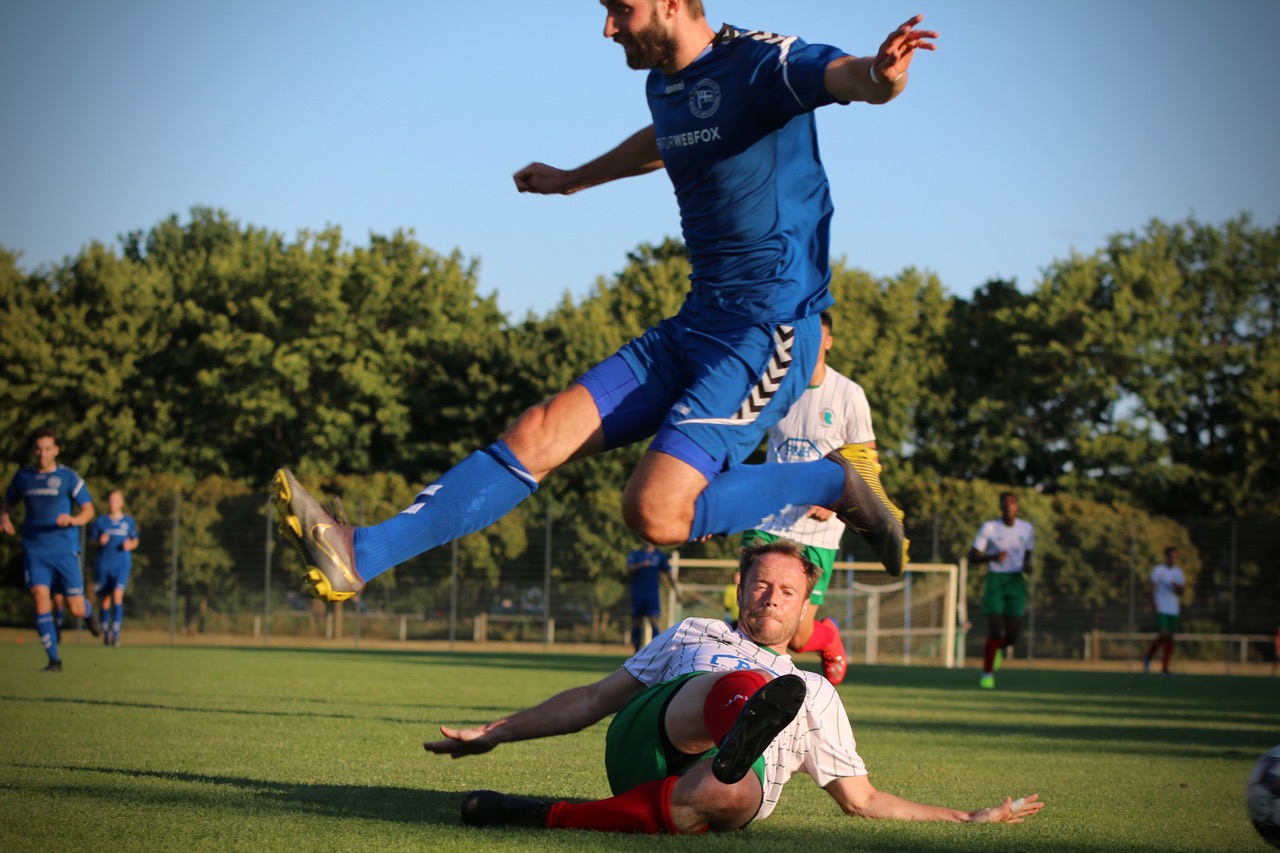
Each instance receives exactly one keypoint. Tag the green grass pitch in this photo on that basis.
(201, 748)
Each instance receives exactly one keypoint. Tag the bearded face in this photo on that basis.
(650, 47)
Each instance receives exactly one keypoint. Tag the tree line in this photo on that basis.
(1146, 374)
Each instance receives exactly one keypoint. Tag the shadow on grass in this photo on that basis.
(304, 714)
(371, 802)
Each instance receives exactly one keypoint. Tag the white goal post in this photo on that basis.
(909, 619)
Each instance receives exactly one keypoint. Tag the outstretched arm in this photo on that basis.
(879, 79)
(857, 796)
(569, 711)
(637, 155)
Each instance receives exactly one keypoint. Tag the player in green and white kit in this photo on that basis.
(1005, 544)
(711, 721)
(831, 413)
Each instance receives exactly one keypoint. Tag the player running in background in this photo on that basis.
(57, 502)
(645, 568)
(706, 690)
(1005, 545)
(1167, 586)
(117, 538)
(733, 127)
(831, 413)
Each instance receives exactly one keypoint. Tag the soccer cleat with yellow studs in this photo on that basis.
(328, 555)
(866, 508)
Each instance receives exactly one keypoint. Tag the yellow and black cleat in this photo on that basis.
(325, 544)
(866, 508)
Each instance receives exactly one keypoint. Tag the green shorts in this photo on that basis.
(823, 558)
(1005, 594)
(1167, 622)
(636, 749)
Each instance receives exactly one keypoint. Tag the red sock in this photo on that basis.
(993, 645)
(1168, 653)
(721, 707)
(1155, 644)
(645, 808)
(820, 639)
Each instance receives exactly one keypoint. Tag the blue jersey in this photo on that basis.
(736, 132)
(644, 580)
(113, 554)
(48, 495)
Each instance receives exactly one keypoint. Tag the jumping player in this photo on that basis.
(117, 538)
(831, 413)
(706, 690)
(57, 501)
(733, 127)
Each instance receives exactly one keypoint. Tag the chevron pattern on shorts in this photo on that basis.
(771, 380)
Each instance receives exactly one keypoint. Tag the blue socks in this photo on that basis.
(48, 636)
(468, 497)
(745, 495)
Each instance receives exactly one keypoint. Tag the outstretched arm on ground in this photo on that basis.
(569, 711)
(857, 796)
(637, 155)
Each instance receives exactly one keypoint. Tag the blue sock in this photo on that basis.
(117, 616)
(48, 636)
(468, 497)
(744, 496)
(102, 617)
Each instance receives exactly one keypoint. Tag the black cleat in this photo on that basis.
(489, 808)
(769, 710)
(866, 508)
(91, 622)
(328, 555)
(54, 666)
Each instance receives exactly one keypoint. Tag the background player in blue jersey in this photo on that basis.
(117, 538)
(645, 568)
(733, 127)
(56, 502)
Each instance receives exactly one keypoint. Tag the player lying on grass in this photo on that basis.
(704, 690)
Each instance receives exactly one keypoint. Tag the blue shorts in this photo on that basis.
(110, 578)
(707, 398)
(646, 605)
(58, 570)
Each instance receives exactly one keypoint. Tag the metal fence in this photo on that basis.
(231, 576)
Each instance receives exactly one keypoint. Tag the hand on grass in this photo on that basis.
(460, 742)
(1010, 811)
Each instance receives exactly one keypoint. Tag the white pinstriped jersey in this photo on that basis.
(819, 741)
(826, 417)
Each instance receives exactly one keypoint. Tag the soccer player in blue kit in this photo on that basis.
(733, 127)
(57, 502)
(645, 567)
(117, 538)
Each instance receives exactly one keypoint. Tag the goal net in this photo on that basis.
(904, 620)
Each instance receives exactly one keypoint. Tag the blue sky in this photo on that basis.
(1036, 129)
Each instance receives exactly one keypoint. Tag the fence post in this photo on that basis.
(173, 572)
(266, 581)
(453, 594)
(548, 624)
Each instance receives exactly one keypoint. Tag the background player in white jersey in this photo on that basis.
(57, 502)
(1167, 586)
(733, 128)
(117, 538)
(1005, 545)
(707, 690)
(831, 413)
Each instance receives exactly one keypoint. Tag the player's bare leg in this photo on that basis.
(659, 500)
